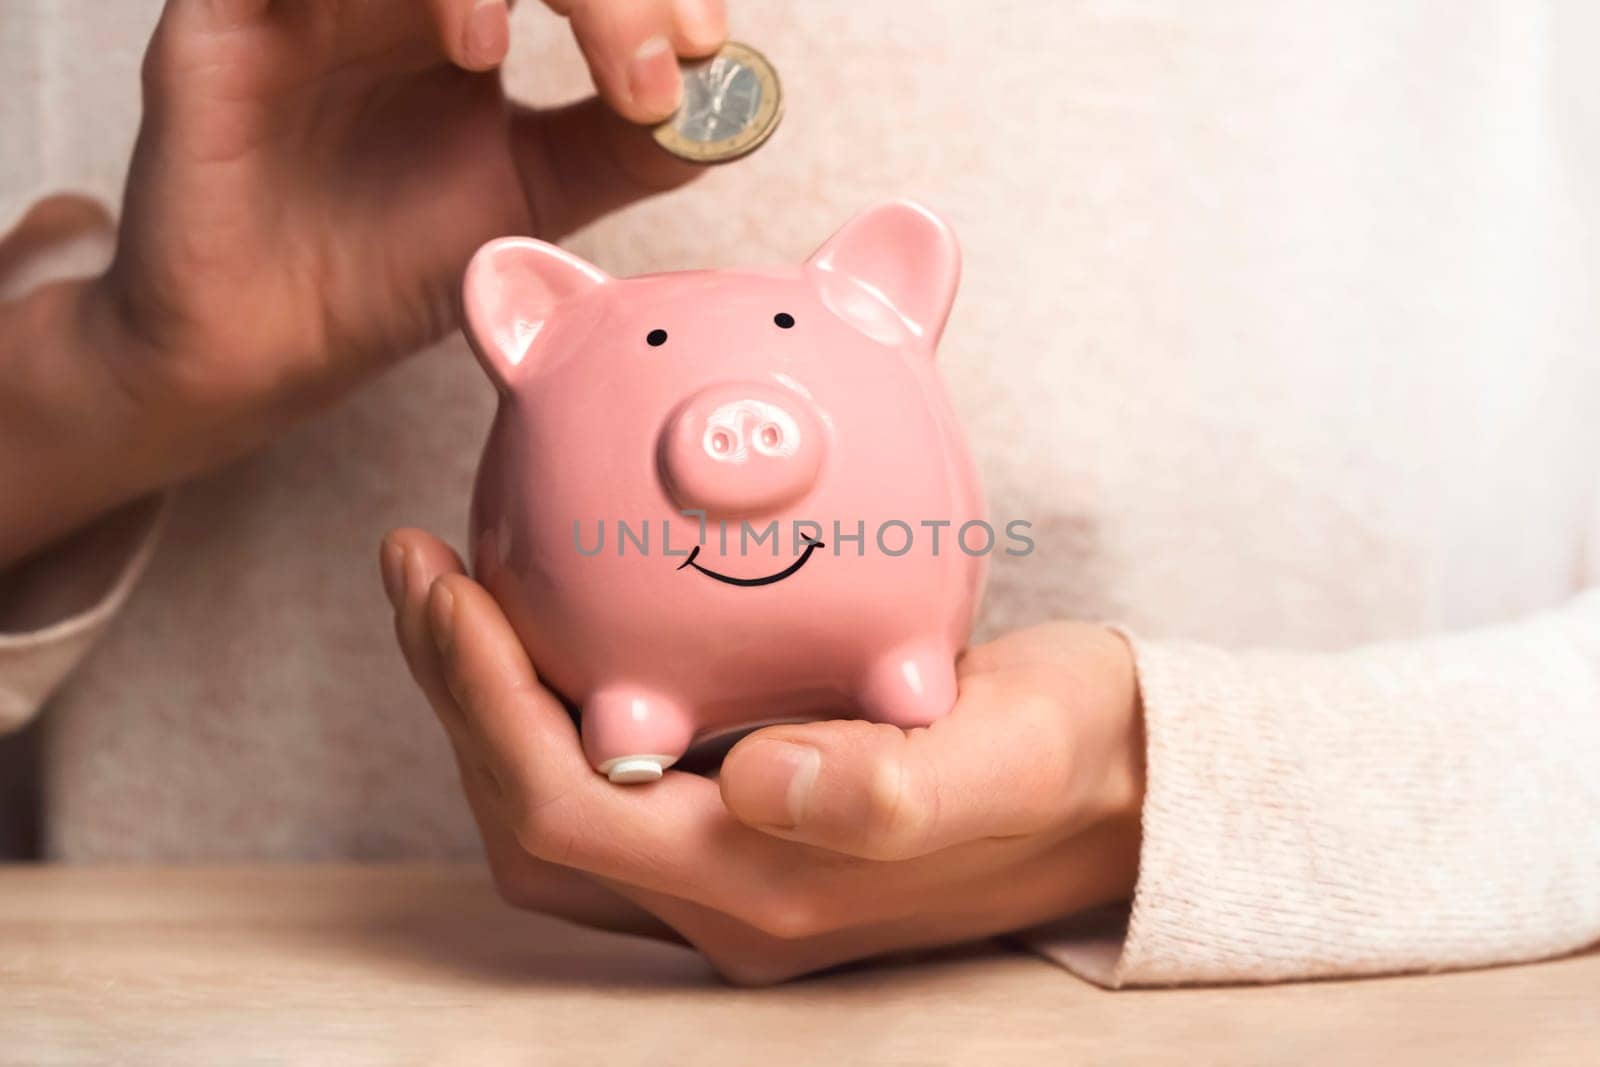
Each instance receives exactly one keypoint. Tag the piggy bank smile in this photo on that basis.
(811, 546)
(743, 398)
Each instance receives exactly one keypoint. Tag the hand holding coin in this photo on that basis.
(648, 56)
(731, 104)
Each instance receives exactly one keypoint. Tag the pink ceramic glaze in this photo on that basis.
(801, 396)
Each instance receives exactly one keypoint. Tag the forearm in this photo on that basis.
(74, 442)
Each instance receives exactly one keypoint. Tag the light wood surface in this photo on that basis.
(354, 965)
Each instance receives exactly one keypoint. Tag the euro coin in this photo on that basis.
(731, 104)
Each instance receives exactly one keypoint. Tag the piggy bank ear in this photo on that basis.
(904, 255)
(513, 287)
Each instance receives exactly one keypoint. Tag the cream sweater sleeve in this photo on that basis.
(1399, 807)
(54, 606)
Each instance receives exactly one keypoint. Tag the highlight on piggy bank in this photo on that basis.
(715, 499)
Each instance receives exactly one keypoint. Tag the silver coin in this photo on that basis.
(720, 98)
(731, 104)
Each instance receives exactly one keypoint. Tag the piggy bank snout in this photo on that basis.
(740, 449)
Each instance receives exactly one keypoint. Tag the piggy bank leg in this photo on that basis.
(633, 735)
(909, 686)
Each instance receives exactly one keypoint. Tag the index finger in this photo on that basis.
(632, 48)
(475, 34)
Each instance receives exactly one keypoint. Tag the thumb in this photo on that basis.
(582, 161)
(1003, 763)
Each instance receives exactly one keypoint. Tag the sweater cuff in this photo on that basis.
(1408, 806)
(55, 604)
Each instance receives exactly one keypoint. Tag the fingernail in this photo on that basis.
(778, 794)
(488, 34)
(653, 79)
(701, 23)
(442, 617)
(392, 561)
(414, 575)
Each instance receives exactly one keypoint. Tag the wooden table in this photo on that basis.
(414, 964)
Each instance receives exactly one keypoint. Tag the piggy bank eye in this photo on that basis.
(783, 319)
(656, 338)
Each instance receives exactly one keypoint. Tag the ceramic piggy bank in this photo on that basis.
(720, 498)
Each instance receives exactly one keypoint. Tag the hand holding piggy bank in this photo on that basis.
(720, 498)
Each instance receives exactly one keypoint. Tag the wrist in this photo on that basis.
(1123, 789)
(74, 442)
(126, 361)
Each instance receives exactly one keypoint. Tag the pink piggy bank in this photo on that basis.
(715, 499)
